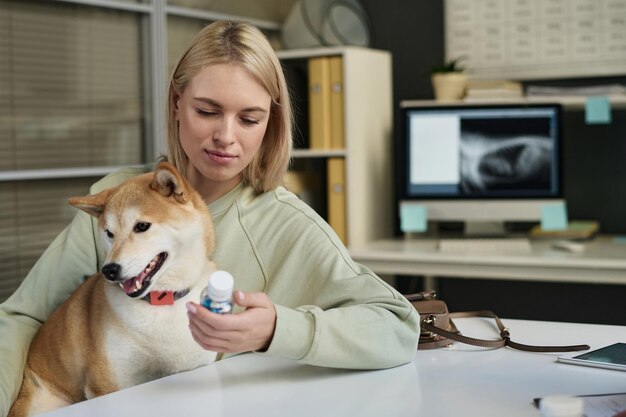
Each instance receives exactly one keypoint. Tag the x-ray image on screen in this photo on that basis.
(498, 155)
(483, 152)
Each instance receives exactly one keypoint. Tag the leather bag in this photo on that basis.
(438, 329)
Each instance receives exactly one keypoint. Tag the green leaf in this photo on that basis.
(453, 65)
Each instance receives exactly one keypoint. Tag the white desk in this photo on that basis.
(458, 381)
(603, 262)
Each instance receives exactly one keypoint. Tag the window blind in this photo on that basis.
(71, 91)
(70, 96)
(32, 214)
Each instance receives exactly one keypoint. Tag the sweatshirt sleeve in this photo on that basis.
(332, 311)
(362, 331)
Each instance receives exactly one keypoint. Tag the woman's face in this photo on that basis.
(222, 117)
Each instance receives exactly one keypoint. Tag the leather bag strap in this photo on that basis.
(443, 342)
(505, 335)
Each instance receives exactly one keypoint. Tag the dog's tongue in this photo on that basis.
(134, 284)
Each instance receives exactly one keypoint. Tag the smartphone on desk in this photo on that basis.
(609, 357)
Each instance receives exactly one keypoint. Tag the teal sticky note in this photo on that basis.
(413, 218)
(554, 216)
(597, 110)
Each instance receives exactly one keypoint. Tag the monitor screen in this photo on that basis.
(487, 166)
(482, 152)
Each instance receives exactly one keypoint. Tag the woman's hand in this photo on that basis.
(250, 330)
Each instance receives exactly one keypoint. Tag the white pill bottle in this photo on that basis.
(218, 294)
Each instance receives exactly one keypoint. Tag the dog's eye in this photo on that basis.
(109, 234)
(141, 227)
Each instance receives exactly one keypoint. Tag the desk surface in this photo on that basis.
(603, 261)
(457, 381)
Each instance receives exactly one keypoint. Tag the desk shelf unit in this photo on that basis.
(364, 158)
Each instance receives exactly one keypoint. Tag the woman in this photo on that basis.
(300, 296)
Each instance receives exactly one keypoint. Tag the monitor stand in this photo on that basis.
(484, 229)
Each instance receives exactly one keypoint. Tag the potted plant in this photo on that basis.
(449, 80)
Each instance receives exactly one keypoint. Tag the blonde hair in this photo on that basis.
(230, 42)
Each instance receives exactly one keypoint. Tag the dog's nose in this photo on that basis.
(112, 271)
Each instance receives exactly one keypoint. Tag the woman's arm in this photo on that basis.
(330, 311)
(378, 332)
(367, 326)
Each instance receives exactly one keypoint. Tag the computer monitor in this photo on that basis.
(481, 164)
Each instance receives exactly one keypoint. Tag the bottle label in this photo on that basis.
(224, 307)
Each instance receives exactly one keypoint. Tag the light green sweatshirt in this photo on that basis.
(330, 310)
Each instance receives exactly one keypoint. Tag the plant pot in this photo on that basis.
(449, 86)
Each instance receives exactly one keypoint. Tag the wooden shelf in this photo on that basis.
(318, 153)
(617, 101)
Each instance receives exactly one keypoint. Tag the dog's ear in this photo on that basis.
(168, 181)
(91, 204)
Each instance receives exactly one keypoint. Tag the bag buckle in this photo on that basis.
(431, 320)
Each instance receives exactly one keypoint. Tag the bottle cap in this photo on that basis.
(220, 286)
(561, 406)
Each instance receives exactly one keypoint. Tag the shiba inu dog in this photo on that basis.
(127, 324)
